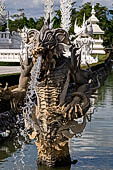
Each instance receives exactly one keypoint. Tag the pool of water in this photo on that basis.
(93, 150)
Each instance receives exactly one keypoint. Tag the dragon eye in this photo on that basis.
(49, 36)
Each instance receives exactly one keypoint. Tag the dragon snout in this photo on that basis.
(38, 50)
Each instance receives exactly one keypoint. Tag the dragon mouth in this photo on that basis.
(49, 61)
(38, 51)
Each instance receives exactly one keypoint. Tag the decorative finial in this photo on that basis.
(93, 10)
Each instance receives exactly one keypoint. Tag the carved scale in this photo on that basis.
(51, 147)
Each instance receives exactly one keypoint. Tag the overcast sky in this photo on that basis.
(35, 7)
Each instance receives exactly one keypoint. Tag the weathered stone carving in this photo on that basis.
(53, 117)
(16, 95)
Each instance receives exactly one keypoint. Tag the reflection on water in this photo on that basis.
(93, 150)
(22, 158)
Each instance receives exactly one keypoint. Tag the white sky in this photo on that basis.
(35, 7)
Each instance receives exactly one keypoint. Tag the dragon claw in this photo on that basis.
(80, 109)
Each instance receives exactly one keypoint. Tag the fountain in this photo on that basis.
(56, 91)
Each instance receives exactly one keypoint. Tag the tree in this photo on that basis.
(40, 23)
(19, 21)
(57, 19)
(73, 18)
(84, 9)
(31, 23)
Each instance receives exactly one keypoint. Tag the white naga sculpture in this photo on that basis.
(85, 42)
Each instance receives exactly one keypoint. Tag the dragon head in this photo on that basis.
(49, 44)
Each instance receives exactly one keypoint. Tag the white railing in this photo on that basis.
(10, 55)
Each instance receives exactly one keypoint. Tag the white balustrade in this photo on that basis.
(10, 55)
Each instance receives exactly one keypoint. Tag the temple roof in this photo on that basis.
(93, 18)
(97, 29)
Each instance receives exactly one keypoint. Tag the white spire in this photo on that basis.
(93, 19)
(49, 11)
(75, 25)
(93, 10)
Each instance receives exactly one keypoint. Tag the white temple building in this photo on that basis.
(10, 43)
(89, 39)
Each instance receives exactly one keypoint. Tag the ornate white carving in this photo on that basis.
(3, 13)
(66, 7)
(85, 43)
(85, 26)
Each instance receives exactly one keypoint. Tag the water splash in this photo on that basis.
(66, 9)
(31, 94)
(49, 11)
(20, 139)
(28, 110)
(21, 136)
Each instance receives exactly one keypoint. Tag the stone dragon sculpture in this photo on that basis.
(58, 103)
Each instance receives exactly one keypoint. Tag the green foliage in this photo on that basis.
(101, 57)
(31, 23)
(57, 19)
(3, 27)
(19, 20)
(73, 18)
(9, 63)
(84, 9)
(39, 23)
